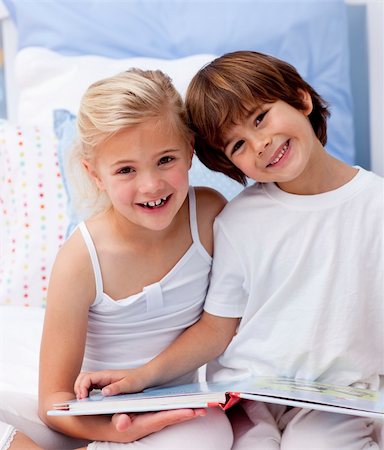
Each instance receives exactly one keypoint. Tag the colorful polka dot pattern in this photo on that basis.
(33, 216)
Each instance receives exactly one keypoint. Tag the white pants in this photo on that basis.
(7, 433)
(211, 432)
(20, 411)
(262, 426)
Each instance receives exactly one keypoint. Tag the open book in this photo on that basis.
(285, 391)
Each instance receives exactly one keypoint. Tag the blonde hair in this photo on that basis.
(110, 105)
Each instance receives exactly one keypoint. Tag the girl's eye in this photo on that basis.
(237, 146)
(125, 170)
(259, 118)
(166, 159)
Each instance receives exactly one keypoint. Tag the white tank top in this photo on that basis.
(129, 332)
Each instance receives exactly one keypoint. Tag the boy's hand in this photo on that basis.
(111, 382)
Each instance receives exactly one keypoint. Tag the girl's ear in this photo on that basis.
(307, 102)
(93, 174)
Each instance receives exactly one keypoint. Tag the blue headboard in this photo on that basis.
(314, 36)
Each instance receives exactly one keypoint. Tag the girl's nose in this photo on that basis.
(149, 182)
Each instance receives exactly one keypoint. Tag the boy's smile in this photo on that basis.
(275, 143)
(279, 155)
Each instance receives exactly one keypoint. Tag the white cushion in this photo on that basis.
(53, 81)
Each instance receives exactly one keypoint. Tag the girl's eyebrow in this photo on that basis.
(158, 155)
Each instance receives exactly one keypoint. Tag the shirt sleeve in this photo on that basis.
(226, 295)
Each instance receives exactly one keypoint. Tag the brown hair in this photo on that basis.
(228, 88)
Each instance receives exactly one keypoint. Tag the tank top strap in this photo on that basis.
(94, 259)
(193, 214)
(193, 224)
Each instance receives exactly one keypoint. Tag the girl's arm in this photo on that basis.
(200, 343)
(71, 291)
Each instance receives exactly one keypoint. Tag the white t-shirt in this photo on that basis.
(305, 273)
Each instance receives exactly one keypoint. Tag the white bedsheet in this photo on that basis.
(20, 334)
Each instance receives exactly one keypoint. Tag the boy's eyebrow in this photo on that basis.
(244, 117)
(225, 143)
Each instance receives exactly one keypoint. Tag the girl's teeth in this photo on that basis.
(155, 203)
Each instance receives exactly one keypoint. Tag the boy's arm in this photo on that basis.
(200, 343)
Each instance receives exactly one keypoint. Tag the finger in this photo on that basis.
(80, 388)
(157, 421)
(115, 388)
(121, 422)
(83, 385)
(86, 381)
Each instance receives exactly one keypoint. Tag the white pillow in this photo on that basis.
(33, 216)
(48, 81)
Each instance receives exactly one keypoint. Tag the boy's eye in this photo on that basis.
(237, 146)
(124, 170)
(259, 118)
(166, 159)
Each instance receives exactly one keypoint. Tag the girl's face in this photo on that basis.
(274, 143)
(144, 171)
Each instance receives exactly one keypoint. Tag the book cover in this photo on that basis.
(286, 391)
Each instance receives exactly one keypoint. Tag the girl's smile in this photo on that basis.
(155, 204)
(144, 170)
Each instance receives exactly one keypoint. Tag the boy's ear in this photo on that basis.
(307, 102)
(93, 174)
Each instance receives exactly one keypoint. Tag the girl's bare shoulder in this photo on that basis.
(209, 202)
(72, 270)
(74, 248)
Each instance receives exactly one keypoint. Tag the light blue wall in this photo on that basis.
(359, 81)
(3, 112)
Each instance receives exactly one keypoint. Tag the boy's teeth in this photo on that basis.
(279, 156)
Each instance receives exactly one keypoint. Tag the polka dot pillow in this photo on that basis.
(33, 216)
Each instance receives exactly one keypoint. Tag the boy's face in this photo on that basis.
(274, 143)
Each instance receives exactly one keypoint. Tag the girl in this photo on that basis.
(298, 257)
(132, 277)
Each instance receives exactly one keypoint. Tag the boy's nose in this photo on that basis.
(261, 144)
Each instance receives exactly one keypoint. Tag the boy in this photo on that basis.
(298, 257)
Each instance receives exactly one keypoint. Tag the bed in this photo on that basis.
(53, 50)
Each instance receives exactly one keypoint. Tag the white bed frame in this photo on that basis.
(369, 125)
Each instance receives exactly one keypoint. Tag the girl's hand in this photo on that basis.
(111, 382)
(140, 425)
